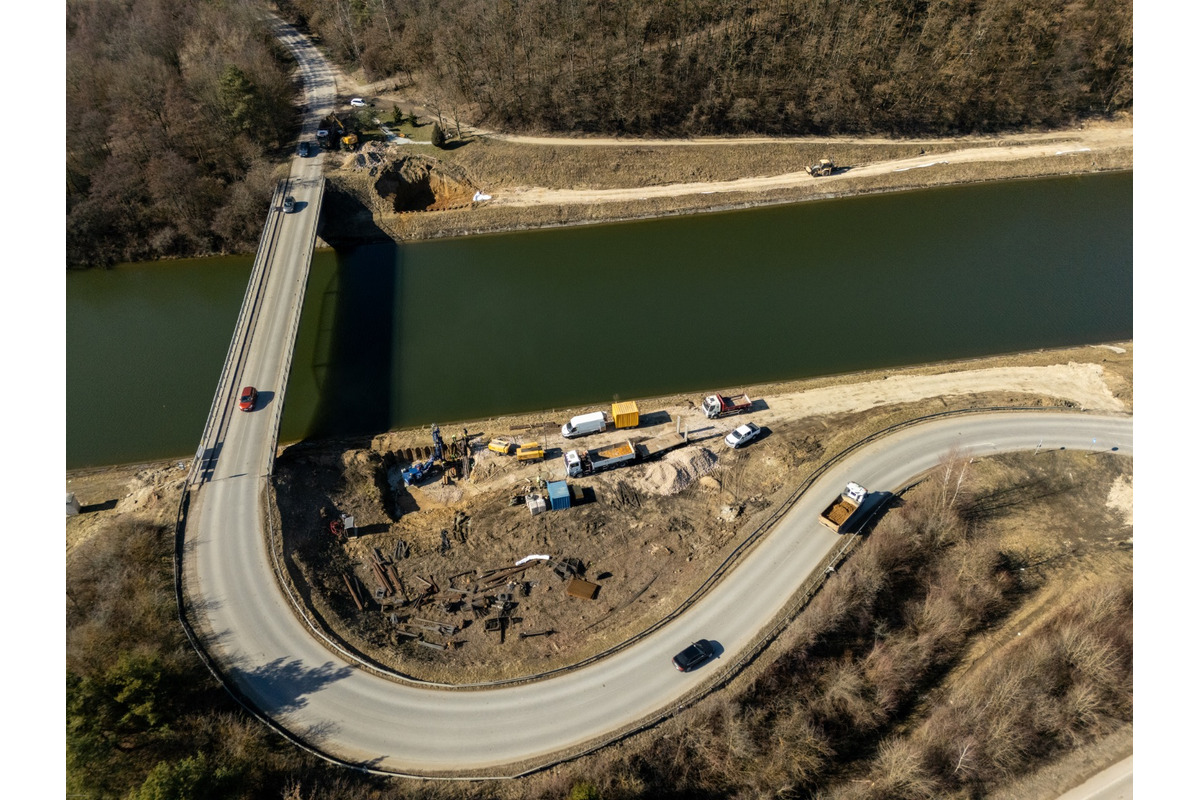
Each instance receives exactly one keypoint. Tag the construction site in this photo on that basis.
(473, 555)
(441, 559)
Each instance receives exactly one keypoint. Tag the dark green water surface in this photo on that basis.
(467, 328)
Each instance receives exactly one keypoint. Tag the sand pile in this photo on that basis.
(677, 470)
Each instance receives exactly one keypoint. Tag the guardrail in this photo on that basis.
(294, 327)
(799, 600)
(345, 649)
(220, 408)
(217, 416)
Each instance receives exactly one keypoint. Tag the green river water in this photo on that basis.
(473, 327)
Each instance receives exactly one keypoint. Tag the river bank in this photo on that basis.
(647, 535)
(408, 190)
(1098, 377)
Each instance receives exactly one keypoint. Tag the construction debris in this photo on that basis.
(547, 632)
(462, 524)
(353, 594)
(582, 588)
(433, 645)
(567, 568)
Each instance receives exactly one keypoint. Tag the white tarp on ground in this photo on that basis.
(480, 197)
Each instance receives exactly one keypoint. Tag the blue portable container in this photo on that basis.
(560, 495)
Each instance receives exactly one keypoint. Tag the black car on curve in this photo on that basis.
(693, 655)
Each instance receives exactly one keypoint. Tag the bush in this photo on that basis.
(438, 137)
(584, 791)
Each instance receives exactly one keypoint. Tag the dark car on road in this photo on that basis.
(289, 204)
(693, 655)
(303, 150)
(249, 398)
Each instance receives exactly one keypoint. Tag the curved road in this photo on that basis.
(361, 718)
(266, 652)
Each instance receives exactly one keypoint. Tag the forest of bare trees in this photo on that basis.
(174, 113)
(177, 114)
(912, 67)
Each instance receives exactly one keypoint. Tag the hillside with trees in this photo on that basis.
(692, 67)
(176, 114)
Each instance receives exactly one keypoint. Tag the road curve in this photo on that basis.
(266, 654)
(364, 719)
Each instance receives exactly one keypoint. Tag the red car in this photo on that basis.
(249, 397)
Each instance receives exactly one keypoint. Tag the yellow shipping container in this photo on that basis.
(625, 415)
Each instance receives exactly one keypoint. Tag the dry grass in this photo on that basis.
(494, 164)
(880, 690)
(1049, 512)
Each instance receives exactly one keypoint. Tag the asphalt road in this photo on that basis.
(363, 718)
(260, 645)
(1114, 783)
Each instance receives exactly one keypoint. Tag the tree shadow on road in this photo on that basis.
(283, 686)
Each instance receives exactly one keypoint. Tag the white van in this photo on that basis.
(585, 424)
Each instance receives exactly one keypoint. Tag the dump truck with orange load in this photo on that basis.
(602, 458)
(837, 514)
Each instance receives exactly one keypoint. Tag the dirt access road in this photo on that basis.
(1099, 138)
(652, 181)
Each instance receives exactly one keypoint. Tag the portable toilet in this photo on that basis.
(625, 415)
(72, 504)
(560, 495)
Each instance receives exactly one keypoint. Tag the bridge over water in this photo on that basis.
(241, 622)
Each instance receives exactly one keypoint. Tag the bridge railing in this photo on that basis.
(220, 409)
(294, 325)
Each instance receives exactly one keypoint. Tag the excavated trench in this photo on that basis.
(418, 183)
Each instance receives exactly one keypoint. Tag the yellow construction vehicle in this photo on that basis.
(349, 140)
(530, 451)
(502, 446)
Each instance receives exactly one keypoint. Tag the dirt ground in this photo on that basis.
(485, 181)
(647, 535)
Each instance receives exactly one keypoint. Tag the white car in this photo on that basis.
(742, 434)
(358, 103)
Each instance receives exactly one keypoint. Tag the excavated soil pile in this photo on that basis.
(418, 183)
(677, 471)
